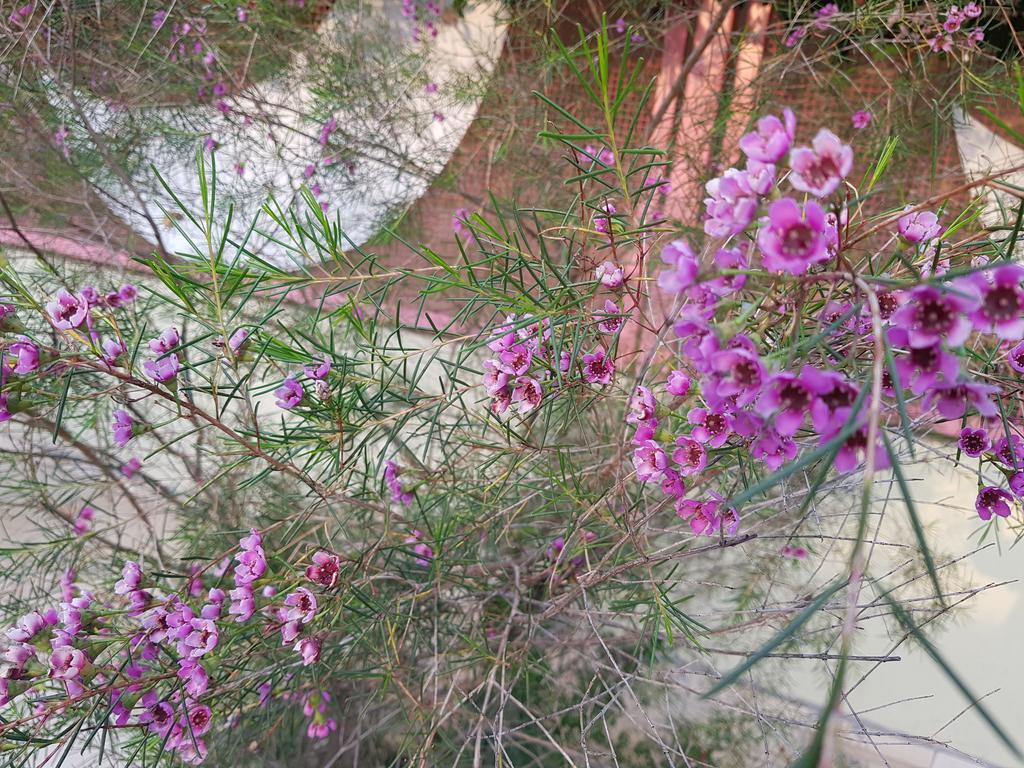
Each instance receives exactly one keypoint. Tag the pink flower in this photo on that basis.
(710, 427)
(28, 626)
(1011, 452)
(325, 569)
(423, 552)
(642, 406)
(691, 456)
(398, 493)
(993, 501)
(123, 427)
(163, 370)
(237, 339)
(603, 219)
(731, 203)
(85, 516)
(202, 638)
(918, 226)
(820, 168)
(130, 467)
(24, 356)
(772, 448)
(771, 139)
(973, 442)
(788, 398)
(319, 370)
(861, 119)
(199, 719)
(650, 461)
(309, 649)
(683, 263)
(678, 384)
(854, 451)
(940, 43)
(835, 396)
(609, 274)
(929, 316)
(67, 311)
(972, 10)
(112, 350)
(792, 239)
(516, 360)
(610, 320)
(1002, 301)
(165, 342)
(301, 605)
(194, 676)
(598, 368)
(953, 399)
(243, 604)
(289, 394)
(1015, 357)
(67, 663)
(527, 394)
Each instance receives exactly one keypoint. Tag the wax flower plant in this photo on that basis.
(378, 524)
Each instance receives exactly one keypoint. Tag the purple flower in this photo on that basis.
(598, 368)
(610, 320)
(1015, 357)
(737, 376)
(1017, 484)
(918, 226)
(678, 384)
(164, 369)
(993, 501)
(820, 168)
(67, 663)
(131, 578)
(861, 119)
(771, 139)
(289, 394)
(834, 398)
(319, 370)
(423, 552)
(515, 361)
(1011, 452)
(202, 638)
(772, 448)
(460, 223)
(973, 442)
(710, 427)
(123, 427)
(650, 461)
(130, 467)
(67, 311)
(194, 676)
(28, 626)
(1002, 301)
(165, 342)
(704, 517)
(609, 274)
(691, 456)
(243, 604)
(854, 450)
(495, 380)
(127, 293)
(930, 316)
(683, 266)
(954, 398)
(527, 394)
(789, 398)
(83, 520)
(237, 339)
(921, 367)
(391, 477)
(642, 406)
(731, 203)
(301, 605)
(309, 648)
(112, 350)
(791, 239)
(325, 569)
(24, 356)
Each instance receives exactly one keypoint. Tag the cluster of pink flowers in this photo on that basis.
(958, 27)
(424, 16)
(525, 362)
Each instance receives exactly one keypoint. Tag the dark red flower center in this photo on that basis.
(1002, 303)
(934, 315)
(797, 240)
(972, 443)
(715, 423)
(793, 396)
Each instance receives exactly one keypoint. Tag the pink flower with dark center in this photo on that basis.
(158, 715)
(861, 119)
(1011, 452)
(672, 484)
(67, 663)
(993, 501)
(1002, 301)
(122, 427)
(771, 139)
(789, 399)
(819, 169)
(527, 394)
(598, 368)
(516, 360)
(918, 226)
(690, 455)
(940, 43)
(920, 368)
(737, 376)
(772, 448)
(289, 394)
(710, 427)
(67, 311)
(854, 451)
(642, 406)
(678, 384)
(163, 370)
(309, 648)
(792, 239)
(165, 342)
(974, 442)
(325, 569)
(953, 399)
(954, 18)
(202, 638)
(1015, 357)
(501, 400)
(834, 398)
(650, 461)
(199, 719)
(495, 380)
(609, 274)
(1017, 484)
(930, 316)
(194, 676)
(301, 605)
(683, 266)
(24, 356)
(611, 319)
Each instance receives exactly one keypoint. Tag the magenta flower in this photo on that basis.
(598, 368)
(495, 380)
(737, 375)
(527, 394)
(123, 427)
(1015, 358)
(820, 168)
(691, 456)
(861, 119)
(611, 319)
(929, 316)
(921, 367)
(650, 461)
(683, 266)
(1002, 301)
(163, 370)
(67, 311)
(789, 398)
(325, 569)
(642, 406)
(678, 384)
(423, 552)
(24, 356)
(243, 603)
(953, 399)
(83, 521)
(289, 394)
(309, 648)
(27, 627)
(972, 10)
(1017, 484)
(672, 484)
(603, 219)
(202, 638)
(918, 226)
(973, 442)
(318, 371)
(391, 477)
(854, 451)
(130, 467)
(67, 663)
(770, 141)
(792, 239)
(993, 501)
(165, 342)
(1011, 452)
(834, 398)
(772, 448)
(237, 339)
(199, 719)
(515, 361)
(112, 351)
(710, 427)
(731, 204)
(301, 605)
(609, 274)
(252, 564)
